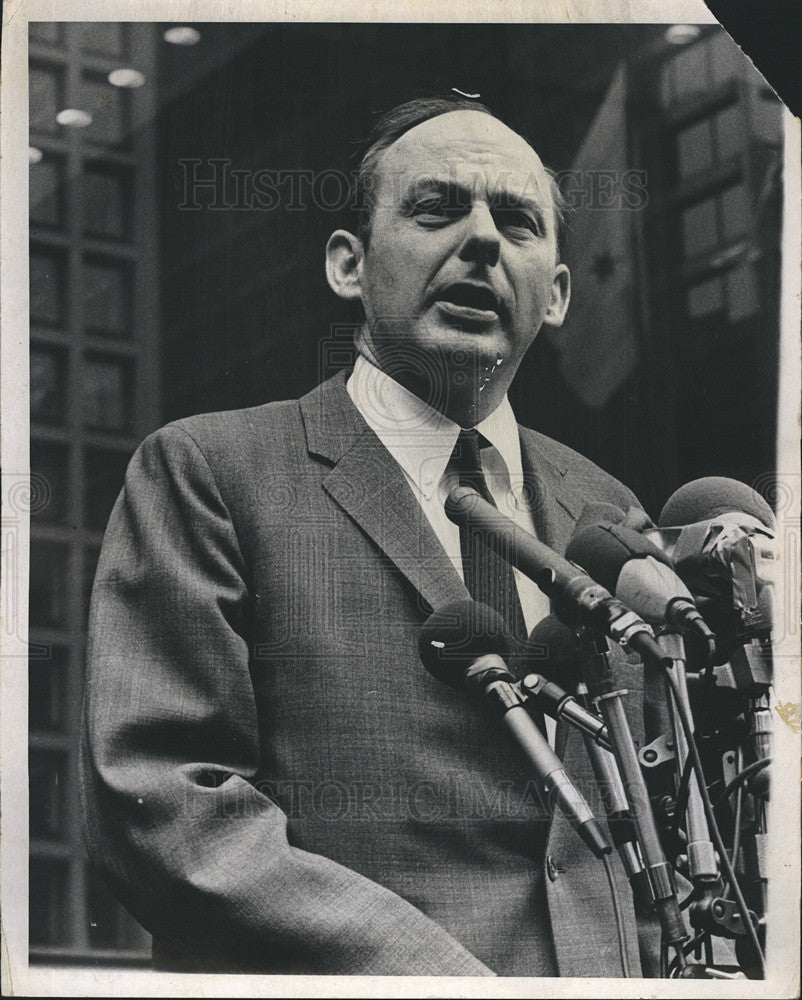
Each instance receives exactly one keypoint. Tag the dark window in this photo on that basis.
(44, 96)
(48, 584)
(46, 778)
(50, 463)
(107, 297)
(45, 193)
(47, 896)
(106, 394)
(106, 202)
(48, 385)
(47, 286)
(105, 473)
(47, 676)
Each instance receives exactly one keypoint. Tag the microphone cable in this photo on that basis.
(740, 902)
(623, 948)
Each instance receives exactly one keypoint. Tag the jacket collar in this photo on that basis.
(370, 487)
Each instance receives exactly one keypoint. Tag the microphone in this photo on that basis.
(578, 600)
(463, 645)
(639, 574)
(562, 649)
(708, 498)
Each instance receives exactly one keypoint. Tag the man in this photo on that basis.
(272, 781)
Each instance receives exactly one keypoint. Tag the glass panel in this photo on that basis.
(726, 59)
(48, 385)
(46, 777)
(107, 303)
(699, 227)
(103, 36)
(105, 473)
(736, 211)
(47, 286)
(50, 461)
(47, 897)
(742, 293)
(47, 32)
(45, 193)
(48, 584)
(690, 70)
(46, 679)
(106, 394)
(107, 106)
(730, 128)
(705, 298)
(105, 916)
(694, 148)
(44, 92)
(106, 203)
(767, 118)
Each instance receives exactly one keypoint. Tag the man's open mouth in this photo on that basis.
(469, 296)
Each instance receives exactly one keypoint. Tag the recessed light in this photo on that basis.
(126, 78)
(182, 36)
(681, 34)
(34, 155)
(75, 117)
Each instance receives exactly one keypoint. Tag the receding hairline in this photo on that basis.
(372, 161)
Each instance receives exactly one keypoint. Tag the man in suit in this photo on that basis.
(271, 780)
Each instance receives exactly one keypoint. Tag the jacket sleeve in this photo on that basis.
(170, 751)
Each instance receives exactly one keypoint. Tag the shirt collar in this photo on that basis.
(420, 438)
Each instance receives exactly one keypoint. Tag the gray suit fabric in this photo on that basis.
(271, 781)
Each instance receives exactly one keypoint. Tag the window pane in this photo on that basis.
(705, 299)
(699, 227)
(726, 59)
(47, 897)
(694, 150)
(47, 286)
(44, 31)
(690, 71)
(106, 394)
(44, 93)
(103, 36)
(742, 293)
(736, 211)
(107, 106)
(48, 584)
(50, 461)
(730, 128)
(46, 192)
(106, 203)
(48, 385)
(105, 473)
(106, 297)
(46, 679)
(46, 778)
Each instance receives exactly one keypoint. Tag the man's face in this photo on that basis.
(461, 260)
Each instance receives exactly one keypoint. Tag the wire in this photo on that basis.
(619, 920)
(682, 796)
(740, 778)
(713, 825)
(736, 835)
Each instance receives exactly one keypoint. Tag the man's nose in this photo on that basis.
(482, 244)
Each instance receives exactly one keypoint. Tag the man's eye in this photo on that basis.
(512, 219)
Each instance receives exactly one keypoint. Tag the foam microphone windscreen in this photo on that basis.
(553, 651)
(455, 635)
(707, 498)
(603, 550)
(599, 513)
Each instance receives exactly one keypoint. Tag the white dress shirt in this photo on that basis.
(421, 440)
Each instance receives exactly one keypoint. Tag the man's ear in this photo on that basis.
(560, 296)
(344, 256)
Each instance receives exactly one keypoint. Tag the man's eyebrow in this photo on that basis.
(453, 192)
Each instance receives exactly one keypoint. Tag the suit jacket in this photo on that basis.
(271, 781)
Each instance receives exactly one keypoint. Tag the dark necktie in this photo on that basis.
(488, 576)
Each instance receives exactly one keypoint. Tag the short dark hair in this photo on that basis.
(401, 119)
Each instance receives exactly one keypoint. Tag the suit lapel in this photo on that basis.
(368, 484)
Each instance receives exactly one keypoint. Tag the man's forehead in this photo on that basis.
(469, 148)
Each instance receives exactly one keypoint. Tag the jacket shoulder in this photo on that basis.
(580, 474)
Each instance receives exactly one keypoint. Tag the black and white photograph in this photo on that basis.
(400, 514)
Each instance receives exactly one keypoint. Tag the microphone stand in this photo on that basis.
(608, 698)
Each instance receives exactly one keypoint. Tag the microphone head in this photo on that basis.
(603, 550)
(455, 635)
(710, 497)
(599, 513)
(458, 503)
(554, 652)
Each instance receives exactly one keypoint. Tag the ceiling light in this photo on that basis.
(75, 117)
(34, 155)
(182, 36)
(681, 34)
(126, 78)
